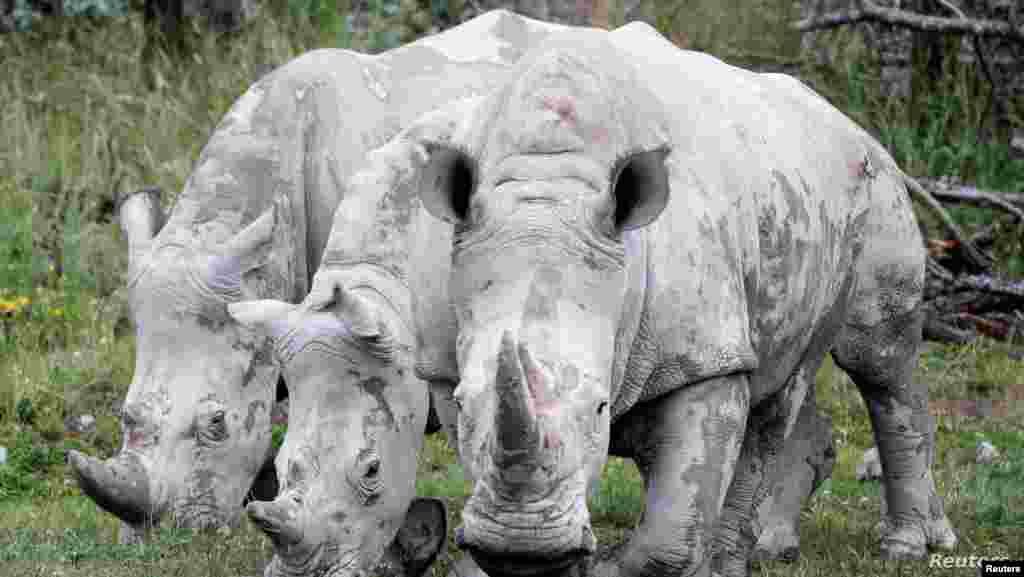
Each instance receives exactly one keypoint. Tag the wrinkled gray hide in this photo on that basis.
(348, 463)
(251, 223)
(652, 253)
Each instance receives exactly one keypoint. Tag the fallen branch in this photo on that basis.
(868, 11)
(943, 331)
(992, 285)
(961, 193)
(976, 260)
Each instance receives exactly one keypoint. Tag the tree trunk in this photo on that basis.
(6, 16)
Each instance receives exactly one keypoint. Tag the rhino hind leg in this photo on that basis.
(804, 462)
(759, 509)
(878, 348)
(880, 361)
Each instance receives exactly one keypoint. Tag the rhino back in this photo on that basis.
(302, 130)
(769, 197)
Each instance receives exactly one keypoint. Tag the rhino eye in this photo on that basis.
(601, 406)
(367, 481)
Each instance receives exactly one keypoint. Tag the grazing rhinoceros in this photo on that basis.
(653, 251)
(348, 463)
(196, 418)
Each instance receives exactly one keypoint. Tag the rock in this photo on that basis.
(870, 468)
(3, 455)
(80, 425)
(986, 453)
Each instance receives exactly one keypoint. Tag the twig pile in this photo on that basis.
(963, 296)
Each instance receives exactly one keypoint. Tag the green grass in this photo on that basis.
(78, 125)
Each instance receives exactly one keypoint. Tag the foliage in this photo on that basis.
(25, 15)
(27, 460)
(277, 432)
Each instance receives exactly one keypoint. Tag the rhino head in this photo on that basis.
(560, 167)
(357, 414)
(196, 419)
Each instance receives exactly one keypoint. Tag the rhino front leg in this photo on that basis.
(687, 457)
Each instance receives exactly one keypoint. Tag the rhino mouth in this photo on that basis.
(527, 561)
(526, 565)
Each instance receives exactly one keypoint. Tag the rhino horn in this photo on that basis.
(277, 519)
(119, 485)
(515, 424)
(140, 217)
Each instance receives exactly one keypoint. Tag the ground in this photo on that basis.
(60, 532)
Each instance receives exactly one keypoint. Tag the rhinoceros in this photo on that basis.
(251, 223)
(348, 463)
(651, 253)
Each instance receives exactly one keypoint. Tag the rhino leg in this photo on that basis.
(880, 361)
(878, 347)
(686, 452)
(805, 461)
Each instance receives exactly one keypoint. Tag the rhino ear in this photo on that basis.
(447, 182)
(259, 314)
(640, 186)
(422, 536)
(242, 247)
(140, 217)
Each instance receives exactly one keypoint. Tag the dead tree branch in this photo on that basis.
(975, 259)
(960, 193)
(868, 11)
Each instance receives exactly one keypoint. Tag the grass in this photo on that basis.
(78, 125)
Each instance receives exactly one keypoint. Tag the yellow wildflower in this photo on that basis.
(57, 312)
(24, 301)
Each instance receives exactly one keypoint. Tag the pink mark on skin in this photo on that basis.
(856, 168)
(563, 106)
(600, 134)
(552, 440)
(539, 404)
(860, 168)
(135, 439)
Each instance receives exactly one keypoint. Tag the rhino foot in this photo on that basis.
(905, 543)
(940, 534)
(778, 543)
(938, 531)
